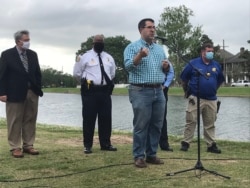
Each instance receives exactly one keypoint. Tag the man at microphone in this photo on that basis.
(144, 61)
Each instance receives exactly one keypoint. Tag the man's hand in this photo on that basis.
(142, 53)
(165, 89)
(3, 98)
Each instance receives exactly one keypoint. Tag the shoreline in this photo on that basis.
(173, 91)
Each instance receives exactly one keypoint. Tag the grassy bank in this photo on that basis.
(223, 91)
(62, 164)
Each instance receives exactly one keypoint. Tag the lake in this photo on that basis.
(233, 121)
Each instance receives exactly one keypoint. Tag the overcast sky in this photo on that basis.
(57, 27)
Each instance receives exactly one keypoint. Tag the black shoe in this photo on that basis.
(184, 146)
(87, 150)
(167, 149)
(109, 148)
(213, 149)
(154, 160)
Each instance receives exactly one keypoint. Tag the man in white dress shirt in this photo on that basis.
(96, 69)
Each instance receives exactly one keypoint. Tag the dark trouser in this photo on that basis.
(96, 102)
(163, 142)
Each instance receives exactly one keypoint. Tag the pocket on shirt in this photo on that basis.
(93, 63)
(107, 64)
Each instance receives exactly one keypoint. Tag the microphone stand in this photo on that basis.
(198, 165)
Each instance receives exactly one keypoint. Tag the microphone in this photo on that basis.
(161, 38)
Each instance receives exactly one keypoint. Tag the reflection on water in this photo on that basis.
(233, 121)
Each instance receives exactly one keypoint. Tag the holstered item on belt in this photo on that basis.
(218, 106)
(86, 85)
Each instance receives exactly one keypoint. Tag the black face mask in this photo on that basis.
(98, 47)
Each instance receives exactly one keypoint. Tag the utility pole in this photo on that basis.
(224, 61)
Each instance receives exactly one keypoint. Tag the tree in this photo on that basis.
(246, 69)
(54, 78)
(183, 40)
(115, 47)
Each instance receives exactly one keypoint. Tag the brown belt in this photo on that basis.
(147, 85)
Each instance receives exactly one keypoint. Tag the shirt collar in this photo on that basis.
(96, 54)
(20, 51)
(144, 43)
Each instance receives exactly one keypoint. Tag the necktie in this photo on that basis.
(101, 66)
(25, 61)
(104, 74)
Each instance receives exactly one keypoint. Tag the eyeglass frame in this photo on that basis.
(149, 27)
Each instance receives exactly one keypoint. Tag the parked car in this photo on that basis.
(241, 83)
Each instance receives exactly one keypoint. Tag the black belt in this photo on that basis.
(147, 85)
(99, 86)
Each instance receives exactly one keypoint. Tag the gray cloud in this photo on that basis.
(65, 24)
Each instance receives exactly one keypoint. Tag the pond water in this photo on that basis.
(233, 121)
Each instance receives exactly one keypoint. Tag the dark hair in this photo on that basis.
(142, 23)
(206, 45)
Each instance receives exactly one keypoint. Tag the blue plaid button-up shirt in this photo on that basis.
(149, 70)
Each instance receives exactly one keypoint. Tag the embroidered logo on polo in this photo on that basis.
(209, 74)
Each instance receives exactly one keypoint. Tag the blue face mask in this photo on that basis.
(209, 55)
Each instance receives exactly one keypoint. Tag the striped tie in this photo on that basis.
(25, 61)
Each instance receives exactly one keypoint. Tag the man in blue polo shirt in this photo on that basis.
(210, 77)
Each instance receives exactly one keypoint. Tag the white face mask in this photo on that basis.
(26, 45)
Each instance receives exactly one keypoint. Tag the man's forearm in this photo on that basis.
(184, 86)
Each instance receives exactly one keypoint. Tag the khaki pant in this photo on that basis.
(208, 110)
(21, 121)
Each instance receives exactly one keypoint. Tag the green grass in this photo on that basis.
(223, 91)
(234, 91)
(62, 163)
(177, 91)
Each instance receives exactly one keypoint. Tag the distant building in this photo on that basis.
(235, 67)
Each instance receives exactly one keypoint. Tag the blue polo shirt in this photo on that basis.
(210, 79)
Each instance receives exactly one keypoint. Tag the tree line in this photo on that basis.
(54, 78)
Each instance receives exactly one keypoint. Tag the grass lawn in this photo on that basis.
(62, 163)
(223, 91)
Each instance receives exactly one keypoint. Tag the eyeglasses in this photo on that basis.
(149, 27)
